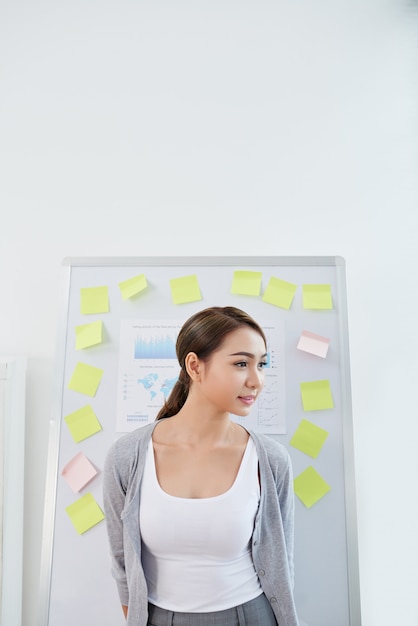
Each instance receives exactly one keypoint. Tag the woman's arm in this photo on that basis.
(286, 497)
(113, 504)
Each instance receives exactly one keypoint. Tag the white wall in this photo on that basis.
(233, 127)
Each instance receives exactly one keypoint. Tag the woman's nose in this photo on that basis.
(255, 378)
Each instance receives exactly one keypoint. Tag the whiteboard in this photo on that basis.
(75, 584)
(12, 457)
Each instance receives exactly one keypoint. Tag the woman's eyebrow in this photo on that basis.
(249, 354)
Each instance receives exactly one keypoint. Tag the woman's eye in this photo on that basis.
(262, 365)
(241, 364)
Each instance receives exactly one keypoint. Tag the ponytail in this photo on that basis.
(177, 397)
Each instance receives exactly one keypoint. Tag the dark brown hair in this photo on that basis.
(203, 334)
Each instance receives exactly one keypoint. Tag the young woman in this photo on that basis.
(199, 510)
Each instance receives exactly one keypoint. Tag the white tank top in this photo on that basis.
(196, 552)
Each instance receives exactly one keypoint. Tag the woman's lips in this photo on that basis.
(247, 399)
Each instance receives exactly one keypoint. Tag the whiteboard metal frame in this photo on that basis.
(347, 422)
(349, 467)
(52, 459)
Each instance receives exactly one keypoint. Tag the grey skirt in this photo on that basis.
(257, 612)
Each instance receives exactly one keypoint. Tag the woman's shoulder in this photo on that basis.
(277, 453)
(128, 443)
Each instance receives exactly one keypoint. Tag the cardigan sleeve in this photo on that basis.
(114, 494)
(282, 475)
(285, 492)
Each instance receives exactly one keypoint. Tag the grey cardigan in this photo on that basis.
(272, 541)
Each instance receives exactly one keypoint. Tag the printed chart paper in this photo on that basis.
(148, 370)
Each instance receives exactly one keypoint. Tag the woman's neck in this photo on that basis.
(196, 425)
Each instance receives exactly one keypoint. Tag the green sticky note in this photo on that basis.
(185, 289)
(94, 300)
(85, 513)
(88, 335)
(317, 296)
(132, 286)
(85, 379)
(83, 423)
(309, 438)
(246, 283)
(310, 487)
(280, 293)
(316, 395)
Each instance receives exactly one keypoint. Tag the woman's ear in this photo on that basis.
(193, 366)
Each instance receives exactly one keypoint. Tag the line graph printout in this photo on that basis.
(148, 369)
(268, 415)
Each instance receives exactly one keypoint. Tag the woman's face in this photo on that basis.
(233, 376)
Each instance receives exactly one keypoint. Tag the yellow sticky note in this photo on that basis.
(85, 379)
(185, 289)
(309, 438)
(83, 423)
(132, 286)
(317, 296)
(94, 300)
(279, 292)
(310, 486)
(85, 513)
(246, 283)
(316, 395)
(88, 335)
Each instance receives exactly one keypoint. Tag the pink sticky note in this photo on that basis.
(315, 344)
(78, 472)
